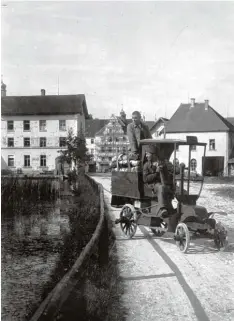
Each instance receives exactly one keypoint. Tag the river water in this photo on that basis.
(30, 250)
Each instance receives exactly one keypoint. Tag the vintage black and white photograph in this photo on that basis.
(117, 160)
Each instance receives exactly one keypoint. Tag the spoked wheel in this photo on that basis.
(160, 230)
(220, 237)
(182, 237)
(128, 223)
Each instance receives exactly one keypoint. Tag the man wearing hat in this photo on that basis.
(151, 175)
(136, 131)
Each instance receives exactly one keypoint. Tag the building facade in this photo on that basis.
(202, 121)
(35, 128)
(107, 137)
(110, 141)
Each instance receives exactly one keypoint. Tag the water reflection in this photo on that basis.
(30, 250)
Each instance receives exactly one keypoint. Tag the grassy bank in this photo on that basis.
(83, 213)
(21, 196)
(97, 296)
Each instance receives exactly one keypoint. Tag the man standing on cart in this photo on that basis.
(136, 131)
(152, 176)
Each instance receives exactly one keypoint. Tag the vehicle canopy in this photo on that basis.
(165, 148)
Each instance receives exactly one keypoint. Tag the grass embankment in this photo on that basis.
(97, 295)
(22, 196)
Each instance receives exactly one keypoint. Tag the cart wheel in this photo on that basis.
(129, 226)
(182, 237)
(220, 237)
(157, 231)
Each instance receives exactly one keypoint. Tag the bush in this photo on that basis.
(6, 172)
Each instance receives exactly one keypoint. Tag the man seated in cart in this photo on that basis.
(151, 176)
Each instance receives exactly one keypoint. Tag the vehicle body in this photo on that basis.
(140, 205)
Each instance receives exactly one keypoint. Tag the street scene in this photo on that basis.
(117, 161)
(160, 281)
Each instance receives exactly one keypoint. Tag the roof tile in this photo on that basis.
(44, 105)
(197, 119)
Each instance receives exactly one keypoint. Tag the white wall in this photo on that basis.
(221, 147)
(52, 135)
(89, 145)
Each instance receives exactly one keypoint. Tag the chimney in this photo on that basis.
(3, 89)
(206, 104)
(42, 92)
(192, 102)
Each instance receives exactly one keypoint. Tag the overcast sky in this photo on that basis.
(147, 56)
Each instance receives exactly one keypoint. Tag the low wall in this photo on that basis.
(57, 297)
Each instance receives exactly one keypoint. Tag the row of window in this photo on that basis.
(27, 160)
(42, 125)
(42, 142)
(211, 145)
(110, 139)
(110, 150)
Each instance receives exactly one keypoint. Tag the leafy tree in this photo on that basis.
(90, 116)
(76, 152)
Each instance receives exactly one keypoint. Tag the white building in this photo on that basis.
(159, 128)
(34, 129)
(201, 120)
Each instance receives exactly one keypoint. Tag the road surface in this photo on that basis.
(161, 283)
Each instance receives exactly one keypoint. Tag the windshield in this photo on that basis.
(192, 156)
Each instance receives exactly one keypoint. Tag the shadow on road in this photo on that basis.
(197, 245)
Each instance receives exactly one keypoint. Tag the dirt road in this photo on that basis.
(161, 283)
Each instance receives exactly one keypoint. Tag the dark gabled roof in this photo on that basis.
(92, 126)
(197, 119)
(230, 120)
(44, 105)
(162, 119)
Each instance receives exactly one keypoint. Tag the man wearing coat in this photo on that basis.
(136, 131)
(151, 176)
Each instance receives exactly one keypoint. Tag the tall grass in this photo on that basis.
(83, 217)
(21, 196)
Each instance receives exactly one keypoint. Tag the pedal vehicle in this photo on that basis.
(139, 202)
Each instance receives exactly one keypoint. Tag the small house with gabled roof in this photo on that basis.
(159, 128)
(201, 120)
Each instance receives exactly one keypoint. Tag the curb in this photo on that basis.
(55, 299)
